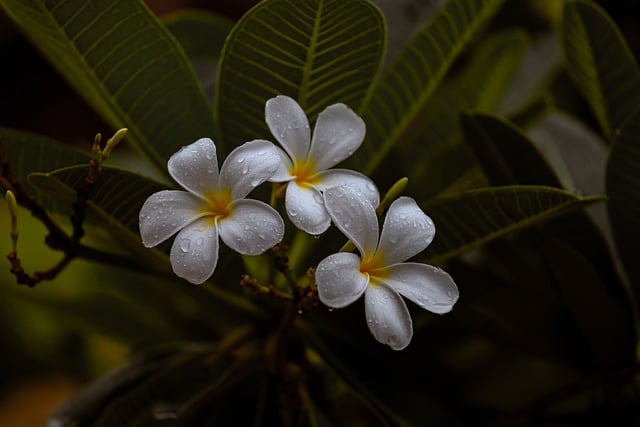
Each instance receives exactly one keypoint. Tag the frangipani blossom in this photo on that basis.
(305, 161)
(379, 272)
(213, 206)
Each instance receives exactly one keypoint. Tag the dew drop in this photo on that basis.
(199, 241)
(185, 245)
(245, 169)
(209, 155)
(241, 160)
(255, 182)
(330, 308)
(293, 213)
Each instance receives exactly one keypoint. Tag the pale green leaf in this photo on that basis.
(472, 218)
(406, 86)
(125, 64)
(601, 64)
(319, 52)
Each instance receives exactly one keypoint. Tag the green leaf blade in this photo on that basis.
(318, 52)
(601, 64)
(623, 192)
(409, 82)
(472, 218)
(125, 64)
(27, 152)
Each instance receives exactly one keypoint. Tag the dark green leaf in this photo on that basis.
(506, 154)
(444, 165)
(27, 152)
(605, 323)
(114, 203)
(601, 64)
(472, 218)
(406, 86)
(125, 64)
(623, 191)
(201, 34)
(319, 52)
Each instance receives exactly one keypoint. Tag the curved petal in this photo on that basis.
(194, 253)
(305, 209)
(166, 212)
(252, 228)
(387, 316)
(248, 166)
(407, 231)
(362, 184)
(354, 216)
(195, 167)
(289, 125)
(339, 279)
(283, 173)
(337, 135)
(430, 287)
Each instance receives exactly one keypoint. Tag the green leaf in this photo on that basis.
(609, 334)
(508, 158)
(601, 64)
(201, 34)
(125, 64)
(406, 86)
(473, 218)
(27, 152)
(319, 52)
(623, 192)
(444, 165)
(504, 151)
(114, 203)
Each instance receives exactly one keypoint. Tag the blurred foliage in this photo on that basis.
(509, 118)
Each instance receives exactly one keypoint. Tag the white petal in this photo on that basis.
(252, 227)
(339, 279)
(337, 135)
(194, 253)
(354, 216)
(248, 166)
(359, 182)
(166, 212)
(195, 166)
(289, 125)
(407, 231)
(387, 316)
(305, 209)
(283, 173)
(430, 287)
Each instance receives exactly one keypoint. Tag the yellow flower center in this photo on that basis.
(304, 173)
(372, 266)
(217, 205)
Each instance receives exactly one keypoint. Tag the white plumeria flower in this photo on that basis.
(304, 167)
(379, 272)
(213, 205)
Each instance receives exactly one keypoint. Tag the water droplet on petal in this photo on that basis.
(255, 182)
(293, 213)
(185, 245)
(199, 241)
(241, 160)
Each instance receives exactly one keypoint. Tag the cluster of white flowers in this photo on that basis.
(214, 206)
